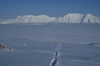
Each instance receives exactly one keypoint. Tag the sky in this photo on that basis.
(10, 9)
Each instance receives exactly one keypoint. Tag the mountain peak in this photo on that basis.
(91, 19)
(89, 14)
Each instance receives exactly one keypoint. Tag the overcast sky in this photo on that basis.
(56, 8)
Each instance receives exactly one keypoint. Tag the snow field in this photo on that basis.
(50, 45)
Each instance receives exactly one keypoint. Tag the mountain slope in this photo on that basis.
(72, 18)
(79, 18)
(30, 19)
(91, 19)
(69, 18)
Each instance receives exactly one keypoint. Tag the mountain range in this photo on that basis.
(69, 18)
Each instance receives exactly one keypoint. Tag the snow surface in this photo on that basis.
(50, 45)
(69, 18)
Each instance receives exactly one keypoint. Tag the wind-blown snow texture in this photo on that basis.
(69, 18)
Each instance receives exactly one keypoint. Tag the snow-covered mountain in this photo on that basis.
(89, 18)
(78, 18)
(69, 18)
(30, 19)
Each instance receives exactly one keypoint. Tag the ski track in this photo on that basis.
(54, 61)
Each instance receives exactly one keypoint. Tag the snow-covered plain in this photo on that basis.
(50, 45)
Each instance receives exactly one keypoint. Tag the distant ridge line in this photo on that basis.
(69, 18)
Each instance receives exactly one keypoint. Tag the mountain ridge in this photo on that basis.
(68, 18)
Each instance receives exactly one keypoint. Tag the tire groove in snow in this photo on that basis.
(54, 61)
